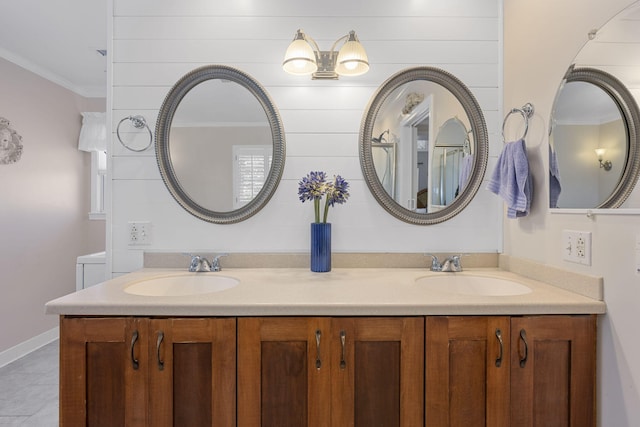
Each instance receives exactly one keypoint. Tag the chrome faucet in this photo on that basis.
(200, 264)
(450, 264)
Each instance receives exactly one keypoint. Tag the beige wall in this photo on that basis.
(541, 40)
(44, 202)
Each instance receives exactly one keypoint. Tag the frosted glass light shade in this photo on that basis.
(352, 59)
(299, 58)
(600, 153)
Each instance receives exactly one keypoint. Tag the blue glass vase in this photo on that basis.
(320, 247)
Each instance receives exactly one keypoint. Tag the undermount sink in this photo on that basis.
(182, 285)
(466, 284)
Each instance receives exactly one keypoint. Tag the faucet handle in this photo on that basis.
(435, 264)
(195, 262)
(215, 262)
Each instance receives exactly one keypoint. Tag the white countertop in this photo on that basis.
(341, 292)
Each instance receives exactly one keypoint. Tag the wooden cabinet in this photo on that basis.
(499, 371)
(330, 372)
(192, 379)
(467, 371)
(553, 366)
(147, 372)
(531, 371)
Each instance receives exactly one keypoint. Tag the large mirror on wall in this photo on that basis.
(423, 145)
(593, 136)
(220, 144)
(594, 142)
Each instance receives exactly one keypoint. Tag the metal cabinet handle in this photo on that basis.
(523, 338)
(499, 337)
(318, 361)
(343, 340)
(134, 361)
(158, 344)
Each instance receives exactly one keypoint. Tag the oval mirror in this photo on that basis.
(423, 145)
(594, 141)
(220, 144)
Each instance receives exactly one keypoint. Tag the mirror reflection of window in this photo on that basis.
(251, 166)
(208, 112)
(213, 119)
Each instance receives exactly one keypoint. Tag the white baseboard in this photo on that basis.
(26, 347)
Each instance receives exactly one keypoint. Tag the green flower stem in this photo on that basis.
(326, 210)
(316, 208)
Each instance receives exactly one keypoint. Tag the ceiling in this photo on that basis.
(58, 40)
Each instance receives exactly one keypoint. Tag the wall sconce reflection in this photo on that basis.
(606, 164)
(303, 56)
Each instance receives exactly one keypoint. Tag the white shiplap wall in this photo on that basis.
(155, 42)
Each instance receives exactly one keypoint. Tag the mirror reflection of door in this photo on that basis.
(417, 172)
(423, 129)
(415, 128)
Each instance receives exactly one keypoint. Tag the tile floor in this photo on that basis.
(29, 389)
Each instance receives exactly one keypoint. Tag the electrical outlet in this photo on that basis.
(576, 246)
(139, 233)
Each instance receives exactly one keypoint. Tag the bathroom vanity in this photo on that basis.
(362, 347)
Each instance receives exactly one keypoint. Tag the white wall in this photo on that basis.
(541, 40)
(44, 203)
(156, 42)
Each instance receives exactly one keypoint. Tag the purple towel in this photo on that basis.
(465, 172)
(511, 179)
(554, 179)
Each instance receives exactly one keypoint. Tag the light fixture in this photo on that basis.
(606, 164)
(303, 56)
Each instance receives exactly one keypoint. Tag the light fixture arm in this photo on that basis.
(605, 164)
(309, 40)
(345, 37)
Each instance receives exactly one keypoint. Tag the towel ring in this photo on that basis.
(138, 122)
(526, 111)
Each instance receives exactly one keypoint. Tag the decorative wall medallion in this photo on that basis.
(413, 99)
(10, 143)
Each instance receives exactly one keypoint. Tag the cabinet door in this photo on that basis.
(377, 372)
(284, 372)
(553, 371)
(192, 372)
(467, 371)
(103, 372)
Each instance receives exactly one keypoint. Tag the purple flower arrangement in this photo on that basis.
(315, 186)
